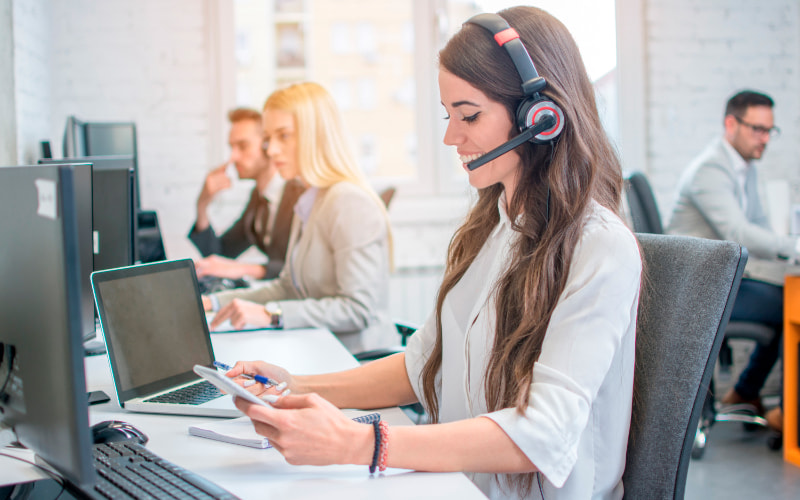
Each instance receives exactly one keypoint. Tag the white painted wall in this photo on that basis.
(149, 62)
(8, 121)
(32, 41)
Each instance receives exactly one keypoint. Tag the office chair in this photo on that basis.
(150, 244)
(646, 218)
(642, 204)
(688, 292)
(405, 330)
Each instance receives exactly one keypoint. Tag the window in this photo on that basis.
(340, 39)
(378, 59)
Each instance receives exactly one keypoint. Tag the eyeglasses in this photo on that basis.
(758, 129)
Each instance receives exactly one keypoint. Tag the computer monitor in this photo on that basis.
(74, 143)
(114, 220)
(111, 138)
(107, 138)
(84, 139)
(42, 381)
(82, 182)
(82, 174)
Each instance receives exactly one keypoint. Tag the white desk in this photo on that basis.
(254, 473)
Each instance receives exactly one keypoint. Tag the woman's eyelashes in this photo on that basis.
(468, 119)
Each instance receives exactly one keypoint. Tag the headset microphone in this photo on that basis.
(546, 122)
(538, 118)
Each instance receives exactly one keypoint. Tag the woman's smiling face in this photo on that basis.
(475, 126)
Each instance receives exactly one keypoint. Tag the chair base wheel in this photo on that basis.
(751, 427)
(775, 441)
(699, 445)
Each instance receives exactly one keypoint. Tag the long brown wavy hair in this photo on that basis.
(579, 167)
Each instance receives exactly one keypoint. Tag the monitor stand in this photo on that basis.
(94, 347)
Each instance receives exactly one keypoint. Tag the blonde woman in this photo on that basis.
(338, 260)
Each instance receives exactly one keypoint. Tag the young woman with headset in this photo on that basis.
(336, 274)
(526, 366)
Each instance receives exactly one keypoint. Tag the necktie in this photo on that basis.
(258, 226)
(753, 210)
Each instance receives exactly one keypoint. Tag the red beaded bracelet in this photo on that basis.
(384, 445)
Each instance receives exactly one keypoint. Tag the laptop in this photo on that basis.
(155, 330)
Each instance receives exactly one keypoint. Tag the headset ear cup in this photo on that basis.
(530, 111)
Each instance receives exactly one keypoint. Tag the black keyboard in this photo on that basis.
(213, 284)
(127, 469)
(195, 394)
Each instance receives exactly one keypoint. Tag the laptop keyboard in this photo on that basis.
(196, 394)
(129, 470)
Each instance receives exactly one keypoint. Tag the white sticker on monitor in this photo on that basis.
(46, 192)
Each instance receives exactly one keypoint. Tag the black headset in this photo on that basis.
(539, 119)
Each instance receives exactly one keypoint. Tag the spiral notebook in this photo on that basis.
(240, 430)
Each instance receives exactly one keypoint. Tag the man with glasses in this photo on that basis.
(718, 198)
(267, 218)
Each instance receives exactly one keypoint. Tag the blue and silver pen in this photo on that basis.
(258, 378)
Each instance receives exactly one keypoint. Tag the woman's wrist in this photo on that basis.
(363, 444)
(300, 385)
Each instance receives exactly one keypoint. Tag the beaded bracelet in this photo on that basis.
(375, 454)
(384, 445)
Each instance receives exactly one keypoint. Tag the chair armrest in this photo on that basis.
(405, 330)
(378, 353)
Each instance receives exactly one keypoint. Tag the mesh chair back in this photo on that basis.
(689, 288)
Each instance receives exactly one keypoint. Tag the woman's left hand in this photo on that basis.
(308, 430)
(240, 313)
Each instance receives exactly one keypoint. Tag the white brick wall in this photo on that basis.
(697, 55)
(149, 62)
(31, 76)
(8, 122)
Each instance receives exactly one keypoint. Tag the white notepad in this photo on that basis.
(235, 430)
(240, 430)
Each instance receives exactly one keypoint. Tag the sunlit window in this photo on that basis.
(378, 59)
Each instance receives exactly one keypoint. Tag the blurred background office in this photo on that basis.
(175, 68)
(662, 71)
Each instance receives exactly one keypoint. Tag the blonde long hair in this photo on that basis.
(324, 153)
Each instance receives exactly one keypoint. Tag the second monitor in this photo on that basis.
(114, 221)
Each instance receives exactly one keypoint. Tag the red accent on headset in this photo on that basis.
(505, 36)
(558, 120)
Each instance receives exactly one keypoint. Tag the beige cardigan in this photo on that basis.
(337, 270)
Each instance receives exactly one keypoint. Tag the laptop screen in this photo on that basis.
(154, 324)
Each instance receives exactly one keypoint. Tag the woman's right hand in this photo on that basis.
(272, 372)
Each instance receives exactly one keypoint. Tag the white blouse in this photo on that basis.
(575, 428)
